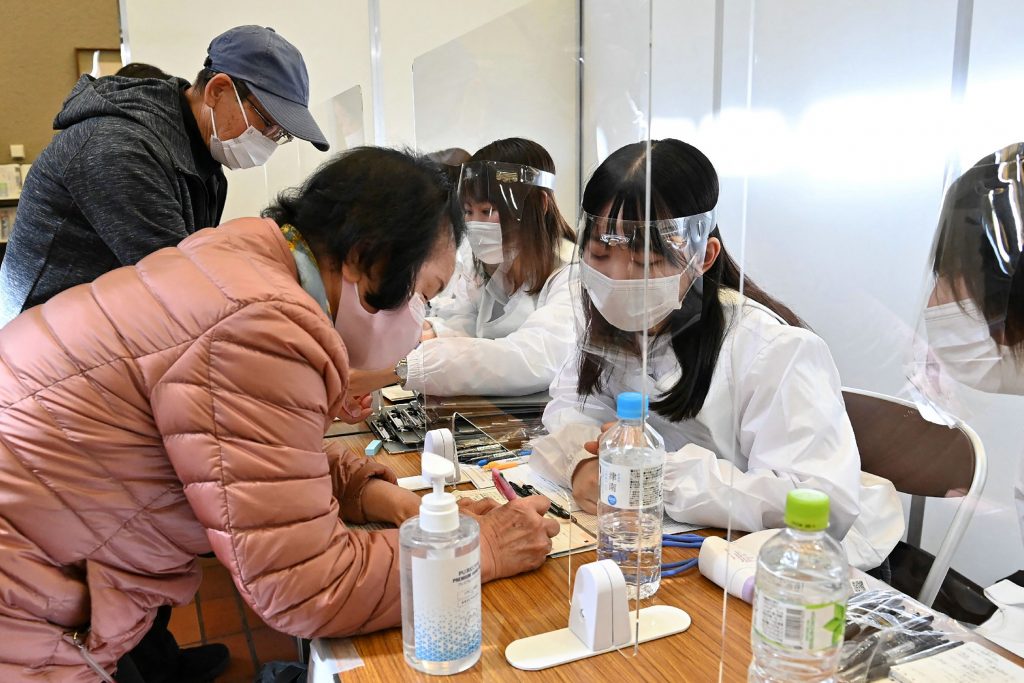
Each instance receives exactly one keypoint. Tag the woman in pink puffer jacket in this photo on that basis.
(179, 406)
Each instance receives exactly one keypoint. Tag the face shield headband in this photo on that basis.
(504, 186)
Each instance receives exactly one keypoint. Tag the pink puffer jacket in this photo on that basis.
(166, 409)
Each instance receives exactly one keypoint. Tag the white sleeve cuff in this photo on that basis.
(415, 378)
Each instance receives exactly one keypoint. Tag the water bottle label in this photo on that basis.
(628, 488)
(446, 607)
(805, 628)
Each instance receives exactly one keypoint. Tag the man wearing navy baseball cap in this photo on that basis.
(137, 164)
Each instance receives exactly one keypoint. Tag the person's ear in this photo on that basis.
(350, 269)
(219, 86)
(714, 248)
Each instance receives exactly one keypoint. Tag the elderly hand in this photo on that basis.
(477, 508)
(355, 409)
(515, 537)
(363, 382)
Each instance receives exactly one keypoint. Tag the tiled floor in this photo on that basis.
(218, 615)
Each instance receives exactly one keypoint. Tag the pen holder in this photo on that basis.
(442, 442)
(599, 622)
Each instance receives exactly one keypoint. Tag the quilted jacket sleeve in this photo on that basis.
(242, 415)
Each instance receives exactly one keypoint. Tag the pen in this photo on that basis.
(503, 486)
(524, 490)
(500, 465)
(501, 456)
(555, 509)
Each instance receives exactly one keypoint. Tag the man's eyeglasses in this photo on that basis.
(270, 130)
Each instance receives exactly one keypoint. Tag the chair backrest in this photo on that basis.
(924, 460)
(919, 457)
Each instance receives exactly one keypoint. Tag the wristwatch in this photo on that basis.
(402, 370)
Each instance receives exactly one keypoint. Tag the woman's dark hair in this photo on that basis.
(140, 70)
(978, 212)
(389, 209)
(683, 183)
(538, 234)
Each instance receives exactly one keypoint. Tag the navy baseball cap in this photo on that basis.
(275, 73)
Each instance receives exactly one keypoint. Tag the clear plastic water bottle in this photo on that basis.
(629, 509)
(800, 593)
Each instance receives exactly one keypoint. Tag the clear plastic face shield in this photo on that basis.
(494, 195)
(970, 334)
(636, 275)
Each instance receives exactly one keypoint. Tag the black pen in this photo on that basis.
(524, 490)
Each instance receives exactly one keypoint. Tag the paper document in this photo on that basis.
(396, 393)
(571, 537)
(525, 475)
(967, 663)
(330, 657)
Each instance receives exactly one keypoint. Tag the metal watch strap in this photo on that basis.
(402, 370)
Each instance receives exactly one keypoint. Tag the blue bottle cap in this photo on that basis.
(631, 405)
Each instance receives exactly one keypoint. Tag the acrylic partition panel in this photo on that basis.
(513, 77)
(872, 120)
(506, 339)
(836, 132)
(341, 119)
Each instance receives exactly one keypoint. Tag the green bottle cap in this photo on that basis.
(807, 510)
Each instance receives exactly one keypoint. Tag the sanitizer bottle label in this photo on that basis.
(447, 607)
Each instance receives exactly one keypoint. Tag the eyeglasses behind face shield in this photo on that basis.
(506, 187)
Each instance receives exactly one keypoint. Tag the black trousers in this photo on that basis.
(155, 658)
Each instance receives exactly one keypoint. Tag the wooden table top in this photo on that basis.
(533, 603)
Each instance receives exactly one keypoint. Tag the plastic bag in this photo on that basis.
(885, 628)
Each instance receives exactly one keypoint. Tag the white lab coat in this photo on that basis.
(773, 419)
(493, 344)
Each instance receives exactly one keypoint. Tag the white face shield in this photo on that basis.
(636, 275)
(493, 195)
(970, 332)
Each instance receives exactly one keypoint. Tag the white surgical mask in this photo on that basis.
(960, 339)
(621, 302)
(485, 241)
(250, 149)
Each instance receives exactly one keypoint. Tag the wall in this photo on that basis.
(515, 76)
(334, 38)
(832, 140)
(35, 81)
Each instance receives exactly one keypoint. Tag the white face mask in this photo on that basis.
(961, 341)
(621, 302)
(250, 149)
(485, 241)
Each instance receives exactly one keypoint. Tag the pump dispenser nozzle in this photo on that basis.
(439, 512)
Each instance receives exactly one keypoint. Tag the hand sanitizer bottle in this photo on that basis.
(440, 571)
